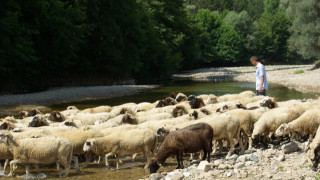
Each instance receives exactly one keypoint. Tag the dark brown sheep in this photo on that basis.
(190, 139)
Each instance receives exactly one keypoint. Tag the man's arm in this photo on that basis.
(261, 84)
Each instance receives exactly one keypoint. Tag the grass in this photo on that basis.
(299, 72)
(317, 176)
(281, 168)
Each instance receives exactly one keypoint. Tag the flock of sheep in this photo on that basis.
(172, 126)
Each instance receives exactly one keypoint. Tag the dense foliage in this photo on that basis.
(49, 43)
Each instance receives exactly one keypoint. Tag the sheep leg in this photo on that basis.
(134, 156)
(181, 161)
(250, 143)
(230, 140)
(5, 164)
(37, 168)
(88, 156)
(241, 146)
(27, 170)
(117, 161)
(220, 146)
(204, 155)
(76, 164)
(178, 160)
(214, 147)
(59, 169)
(13, 162)
(106, 158)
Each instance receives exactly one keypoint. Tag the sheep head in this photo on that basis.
(129, 119)
(154, 165)
(191, 97)
(22, 114)
(270, 103)
(34, 112)
(240, 106)
(7, 126)
(162, 133)
(88, 145)
(173, 95)
(38, 121)
(211, 99)
(181, 97)
(179, 111)
(4, 135)
(72, 108)
(56, 117)
(195, 114)
(196, 103)
(282, 129)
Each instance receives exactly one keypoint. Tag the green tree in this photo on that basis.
(272, 36)
(305, 27)
(230, 46)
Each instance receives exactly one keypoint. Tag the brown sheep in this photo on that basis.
(38, 120)
(190, 139)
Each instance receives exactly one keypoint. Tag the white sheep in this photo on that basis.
(98, 109)
(307, 123)
(46, 150)
(117, 143)
(231, 97)
(271, 120)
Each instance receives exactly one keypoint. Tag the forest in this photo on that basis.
(49, 43)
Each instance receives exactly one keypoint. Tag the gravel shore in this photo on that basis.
(307, 81)
(64, 95)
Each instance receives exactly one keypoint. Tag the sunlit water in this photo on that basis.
(134, 170)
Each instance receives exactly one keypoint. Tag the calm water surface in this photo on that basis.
(190, 88)
(134, 170)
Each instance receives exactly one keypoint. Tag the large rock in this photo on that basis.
(156, 176)
(290, 147)
(217, 162)
(239, 165)
(204, 166)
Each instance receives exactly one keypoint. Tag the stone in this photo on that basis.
(243, 174)
(281, 158)
(253, 158)
(266, 154)
(176, 176)
(234, 156)
(249, 163)
(229, 174)
(216, 163)
(204, 166)
(186, 174)
(239, 165)
(156, 176)
(241, 158)
(290, 147)
(222, 167)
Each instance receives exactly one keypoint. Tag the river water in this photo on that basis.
(134, 170)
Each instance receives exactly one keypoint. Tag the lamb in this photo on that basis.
(271, 120)
(307, 123)
(117, 143)
(44, 150)
(314, 149)
(190, 139)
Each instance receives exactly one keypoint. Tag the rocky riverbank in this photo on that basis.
(40, 100)
(288, 161)
(300, 77)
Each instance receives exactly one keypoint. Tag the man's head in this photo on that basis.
(254, 60)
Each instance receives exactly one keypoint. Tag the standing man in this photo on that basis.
(261, 76)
